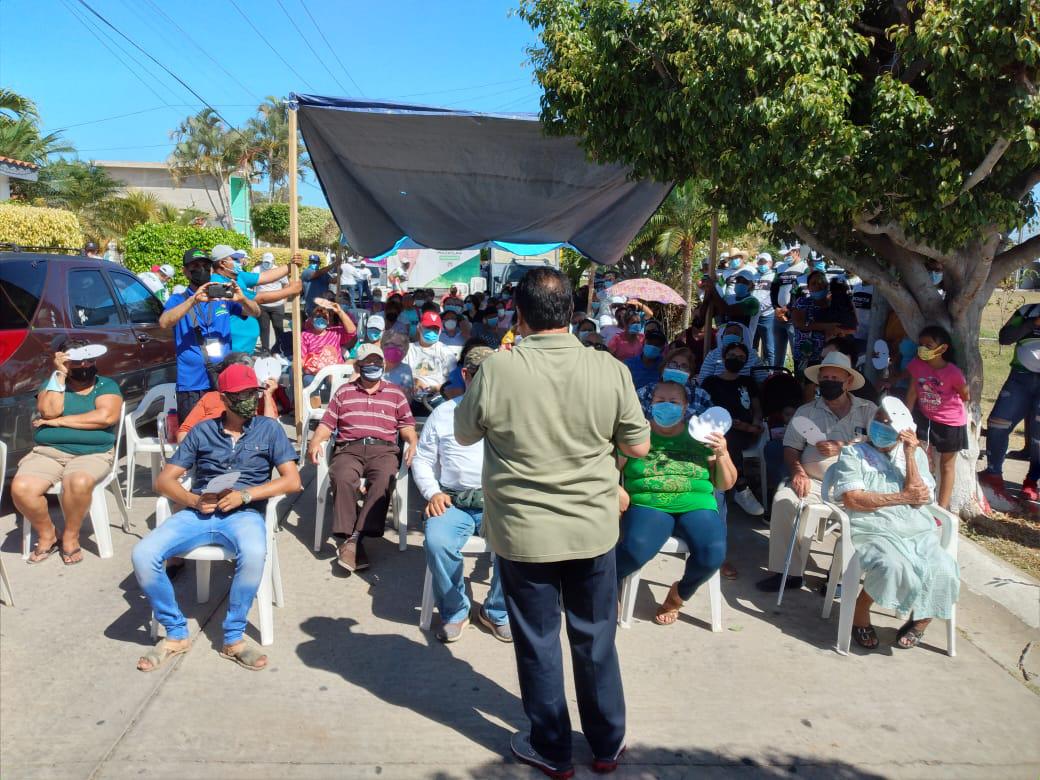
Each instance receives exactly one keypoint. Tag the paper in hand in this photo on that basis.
(808, 430)
(87, 352)
(222, 482)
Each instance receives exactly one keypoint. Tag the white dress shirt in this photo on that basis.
(441, 463)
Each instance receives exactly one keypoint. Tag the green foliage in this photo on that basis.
(155, 243)
(318, 230)
(32, 226)
(20, 136)
(271, 221)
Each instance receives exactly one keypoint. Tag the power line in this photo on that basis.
(331, 48)
(148, 110)
(486, 97)
(269, 46)
(463, 89)
(308, 44)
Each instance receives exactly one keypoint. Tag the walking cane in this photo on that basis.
(790, 551)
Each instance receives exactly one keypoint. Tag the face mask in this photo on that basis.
(243, 407)
(734, 364)
(675, 375)
(741, 290)
(881, 434)
(730, 338)
(831, 389)
(468, 307)
(584, 335)
(492, 321)
(372, 372)
(650, 352)
(820, 266)
(374, 334)
(198, 276)
(763, 268)
(735, 263)
(236, 267)
(430, 336)
(930, 354)
(320, 323)
(450, 325)
(83, 374)
(501, 312)
(454, 308)
(819, 295)
(507, 296)
(635, 329)
(666, 414)
(595, 305)
(393, 354)
(937, 277)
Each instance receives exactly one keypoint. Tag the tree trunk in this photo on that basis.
(687, 283)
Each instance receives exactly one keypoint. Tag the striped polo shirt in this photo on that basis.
(355, 413)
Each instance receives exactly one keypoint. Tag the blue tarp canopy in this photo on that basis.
(458, 179)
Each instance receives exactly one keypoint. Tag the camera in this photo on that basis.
(217, 290)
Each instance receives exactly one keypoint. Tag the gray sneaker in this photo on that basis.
(499, 631)
(452, 632)
(520, 744)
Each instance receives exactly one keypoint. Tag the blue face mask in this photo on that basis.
(595, 305)
(320, 323)
(734, 263)
(763, 269)
(635, 328)
(675, 375)
(937, 277)
(820, 266)
(374, 334)
(730, 338)
(881, 434)
(819, 295)
(741, 290)
(492, 321)
(456, 309)
(468, 307)
(666, 414)
(650, 352)
(430, 335)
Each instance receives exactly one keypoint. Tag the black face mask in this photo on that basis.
(734, 364)
(831, 389)
(198, 276)
(83, 374)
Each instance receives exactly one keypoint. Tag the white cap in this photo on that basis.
(221, 251)
(376, 321)
(605, 320)
(764, 256)
(166, 270)
(615, 299)
(267, 259)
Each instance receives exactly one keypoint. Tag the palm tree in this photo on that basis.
(269, 135)
(20, 136)
(185, 216)
(675, 230)
(14, 107)
(116, 216)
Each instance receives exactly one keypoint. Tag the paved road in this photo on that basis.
(355, 689)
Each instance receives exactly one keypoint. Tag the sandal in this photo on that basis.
(247, 657)
(67, 557)
(668, 612)
(39, 556)
(728, 571)
(866, 637)
(910, 636)
(160, 654)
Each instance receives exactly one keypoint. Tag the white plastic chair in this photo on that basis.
(270, 592)
(846, 569)
(757, 452)
(475, 545)
(155, 447)
(630, 587)
(337, 375)
(398, 500)
(6, 592)
(98, 511)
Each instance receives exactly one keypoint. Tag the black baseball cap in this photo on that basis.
(195, 254)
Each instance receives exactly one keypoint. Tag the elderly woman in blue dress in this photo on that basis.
(886, 487)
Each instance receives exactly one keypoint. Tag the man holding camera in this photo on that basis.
(201, 321)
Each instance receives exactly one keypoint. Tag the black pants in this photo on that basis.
(186, 400)
(276, 319)
(588, 590)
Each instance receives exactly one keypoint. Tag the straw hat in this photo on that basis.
(836, 360)
(735, 252)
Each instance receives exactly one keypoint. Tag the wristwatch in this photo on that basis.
(246, 498)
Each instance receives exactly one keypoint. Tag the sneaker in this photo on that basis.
(499, 631)
(996, 492)
(771, 584)
(1029, 491)
(520, 744)
(604, 766)
(347, 555)
(746, 500)
(452, 632)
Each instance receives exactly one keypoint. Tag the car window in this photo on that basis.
(21, 283)
(90, 301)
(141, 305)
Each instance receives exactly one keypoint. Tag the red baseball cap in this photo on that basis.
(431, 319)
(236, 378)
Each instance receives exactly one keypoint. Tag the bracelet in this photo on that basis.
(56, 383)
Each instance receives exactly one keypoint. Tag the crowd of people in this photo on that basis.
(557, 429)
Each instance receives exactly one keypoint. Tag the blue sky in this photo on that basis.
(459, 53)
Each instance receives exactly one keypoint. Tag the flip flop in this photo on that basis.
(160, 654)
(45, 553)
(66, 557)
(247, 657)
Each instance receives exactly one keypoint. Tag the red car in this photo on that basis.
(45, 299)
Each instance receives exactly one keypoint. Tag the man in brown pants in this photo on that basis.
(366, 416)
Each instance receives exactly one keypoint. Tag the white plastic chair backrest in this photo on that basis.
(3, 465)
(337, 375)
(119, 439)
(478, 284)
(167, 391)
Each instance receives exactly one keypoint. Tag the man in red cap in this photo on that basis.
(238, 443)
(430, 360)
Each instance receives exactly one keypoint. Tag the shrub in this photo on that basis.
(155, 243)
(34, 226)
(318, 230)
(271, 221)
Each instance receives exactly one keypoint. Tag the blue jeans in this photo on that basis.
(1019, 399)
(644, 530)
(765, 334)
(445, 536)
(241, 532)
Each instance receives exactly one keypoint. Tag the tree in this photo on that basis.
(886, 135)
(80, 187)
(20, 136)
(207, 147)
(269, 136)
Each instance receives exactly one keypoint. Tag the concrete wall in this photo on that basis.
(198, 192)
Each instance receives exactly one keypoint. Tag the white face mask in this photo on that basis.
(450, 325)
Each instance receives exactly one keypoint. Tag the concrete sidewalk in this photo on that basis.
(355, 689)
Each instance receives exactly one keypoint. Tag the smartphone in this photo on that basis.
(217, 290)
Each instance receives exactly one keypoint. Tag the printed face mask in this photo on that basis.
(666, 413)
(243, 407)
(930, 354)
(320, 323)
(372, 372)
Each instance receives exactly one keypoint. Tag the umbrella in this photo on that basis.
(647, 290)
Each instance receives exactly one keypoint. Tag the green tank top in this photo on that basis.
(73, 440)
(674, 477)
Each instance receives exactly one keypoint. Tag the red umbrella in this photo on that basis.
(647, 290)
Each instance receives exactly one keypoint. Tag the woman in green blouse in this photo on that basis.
(671, 492)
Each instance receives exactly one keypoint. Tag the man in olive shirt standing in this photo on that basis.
(552, 414)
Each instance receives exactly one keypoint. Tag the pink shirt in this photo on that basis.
(325, 348)
(937, 395)
(622, 349)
